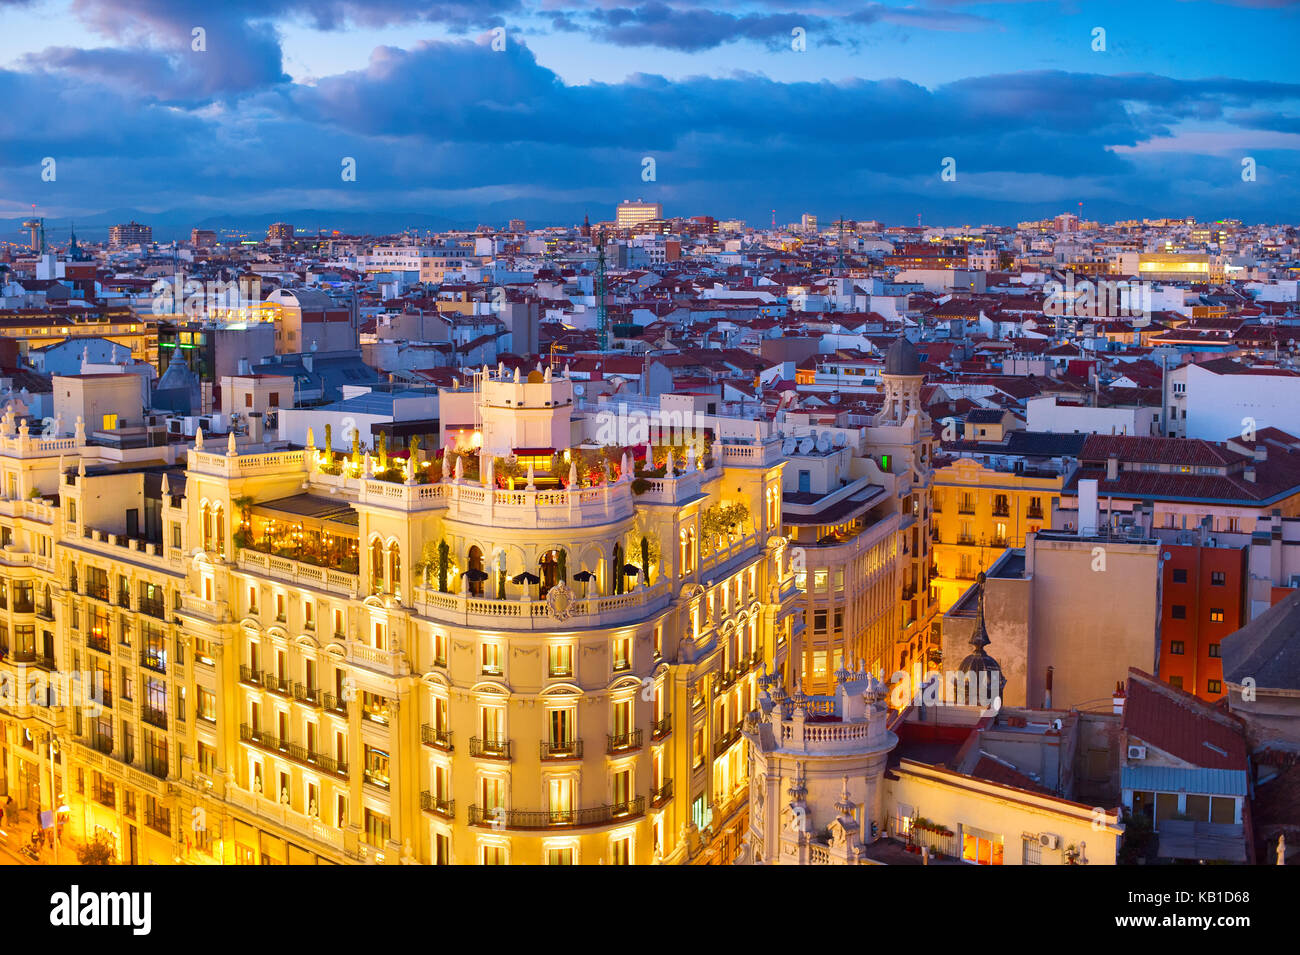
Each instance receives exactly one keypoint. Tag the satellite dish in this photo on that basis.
(788, 446)
(578, 390)
(840, 440)
(806, 446)
(823, 442)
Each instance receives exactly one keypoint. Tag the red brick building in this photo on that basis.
(1203, 599)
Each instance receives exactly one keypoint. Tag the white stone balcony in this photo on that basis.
(298, 572)
(515, 614)
(585, 507)
(285, 816)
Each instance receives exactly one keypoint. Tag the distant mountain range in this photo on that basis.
(177, 223)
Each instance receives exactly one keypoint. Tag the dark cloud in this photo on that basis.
(150, 123)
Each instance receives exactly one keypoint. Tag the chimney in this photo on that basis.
(1087, 507)
(1047, 690)
(1261, 451)
(1117, 701)
(244, 368)
(255, 427)
(1249, 473)
(1112, 467)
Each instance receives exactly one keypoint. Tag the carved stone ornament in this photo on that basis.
(559, 601)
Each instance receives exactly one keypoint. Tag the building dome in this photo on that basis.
(902, 358)
(978, 661)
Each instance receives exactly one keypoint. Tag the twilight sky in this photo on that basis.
(737, 121)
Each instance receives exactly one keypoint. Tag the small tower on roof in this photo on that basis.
(986, 669)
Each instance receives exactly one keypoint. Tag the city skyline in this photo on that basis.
(472, 114)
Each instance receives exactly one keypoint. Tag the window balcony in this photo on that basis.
(557, 818)
(438, 739)
(277, 684)
(561, 749)
(154, 658)
(623, 742)
(250, 675)
(336, 704)
(1002, 511)
(295, 751)
(661, 796)
(489, 748)
(154, 717)
(311, 695)
(726, 741)
(439, 807)
(1034, 513)
(661, 728)
(98, 641)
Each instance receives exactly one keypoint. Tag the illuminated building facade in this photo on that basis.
(309, 659)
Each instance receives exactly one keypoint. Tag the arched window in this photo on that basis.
(394, 566)
(690, 550)
(682, 547)
(475, 563)
(72, 577)
(205, 516)
(377, 565)
(220, 522)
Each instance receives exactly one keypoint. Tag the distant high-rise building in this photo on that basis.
(809, 222)
(517, 225)
(279, 230)
(203, 238)
(632, 213)
(128, 234)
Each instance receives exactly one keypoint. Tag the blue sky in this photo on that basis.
(737, 121)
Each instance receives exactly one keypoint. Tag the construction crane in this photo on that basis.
(602, 314)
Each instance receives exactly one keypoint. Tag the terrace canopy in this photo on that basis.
(316, 530)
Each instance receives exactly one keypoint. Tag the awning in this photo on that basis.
(313, 513)
(1211, 841)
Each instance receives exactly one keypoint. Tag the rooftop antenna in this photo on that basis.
(773, 218)
(602, 314)
(840, 246)
(918, 220)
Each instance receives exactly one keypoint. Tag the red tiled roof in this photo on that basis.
(1182, 725)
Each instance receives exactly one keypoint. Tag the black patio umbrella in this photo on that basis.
(584, 576)
(631, 570)
(476, 575)
(526, 578)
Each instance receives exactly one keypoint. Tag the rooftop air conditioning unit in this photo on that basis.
(1137, 752)
(1049, 840)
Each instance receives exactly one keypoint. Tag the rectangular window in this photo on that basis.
(1176, 647)
(1216, 614)
(1214, 686)
(378, 829)
(491, 658)
(1178, 612)
(623, 653)
(560, 661)
(1213, 650)
(1217, 578)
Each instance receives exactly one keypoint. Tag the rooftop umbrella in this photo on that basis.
(526, 578)
(476, 575)
(584, 576)
(631, 570)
